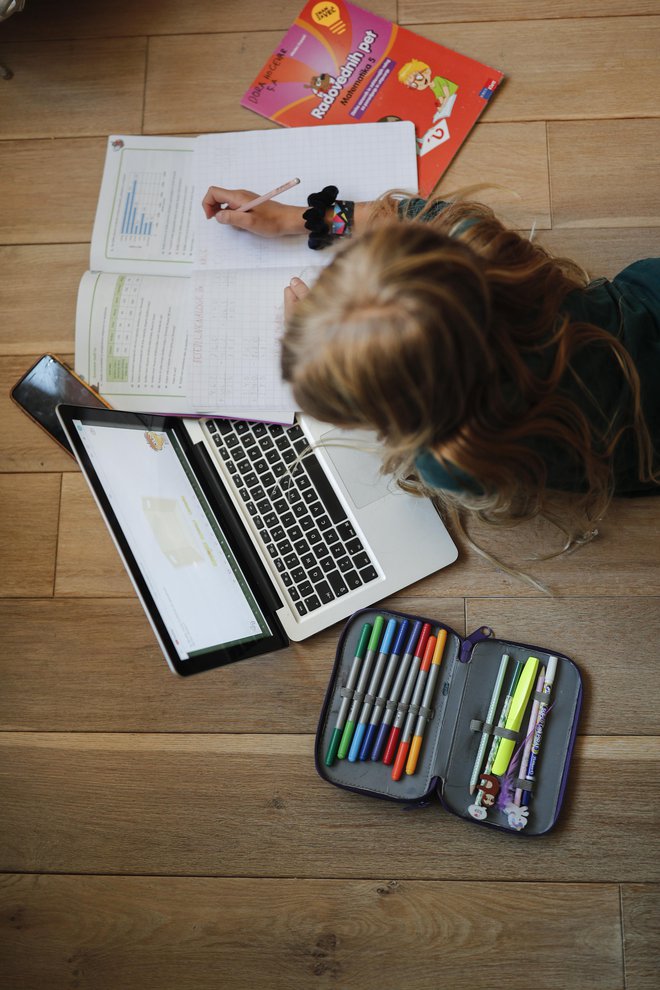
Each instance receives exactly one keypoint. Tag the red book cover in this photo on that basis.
(340, 64)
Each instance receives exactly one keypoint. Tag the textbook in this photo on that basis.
(182, 315)
(340, 64)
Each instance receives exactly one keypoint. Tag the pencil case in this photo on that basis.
(491, 737)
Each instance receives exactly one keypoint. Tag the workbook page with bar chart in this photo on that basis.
(180, 314)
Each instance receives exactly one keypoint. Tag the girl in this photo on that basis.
(498, 378)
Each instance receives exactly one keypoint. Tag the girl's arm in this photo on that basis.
(271, 219)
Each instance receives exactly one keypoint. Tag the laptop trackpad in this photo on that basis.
(356, 457)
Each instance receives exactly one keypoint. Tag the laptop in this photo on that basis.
(241, 536)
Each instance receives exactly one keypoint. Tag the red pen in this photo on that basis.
(395, 731)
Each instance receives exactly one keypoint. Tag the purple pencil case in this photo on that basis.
(456, 727)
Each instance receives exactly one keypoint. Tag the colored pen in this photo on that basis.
(549, 680)
(406, 735)
(379, 703)
(524, 763)
(495, 744)
(363, 680)
(269, 195)
(490, 715)
(422, 719)
(376, 677)
(346, 700)
(515, 716)
(409, 687)
(395, 694)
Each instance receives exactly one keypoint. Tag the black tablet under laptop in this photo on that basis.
(240, 536)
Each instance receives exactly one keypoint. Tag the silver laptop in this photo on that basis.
(241, 536)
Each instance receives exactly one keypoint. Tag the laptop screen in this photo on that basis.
(199, 588)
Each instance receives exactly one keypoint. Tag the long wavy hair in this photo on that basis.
(445, 335)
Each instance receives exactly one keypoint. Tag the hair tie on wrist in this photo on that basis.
(320, 235)
(342, 218)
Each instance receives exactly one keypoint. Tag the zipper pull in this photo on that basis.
(483, 632)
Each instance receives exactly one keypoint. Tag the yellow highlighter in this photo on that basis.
(515, 716)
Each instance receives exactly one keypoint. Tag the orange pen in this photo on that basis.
(429, 690)
(406, 735)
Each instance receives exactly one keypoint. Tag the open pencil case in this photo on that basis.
(523, 731)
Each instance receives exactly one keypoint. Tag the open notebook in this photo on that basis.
(180, 314)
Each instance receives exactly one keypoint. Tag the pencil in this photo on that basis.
(266, 196)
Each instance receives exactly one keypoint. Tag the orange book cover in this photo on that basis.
(341, 64)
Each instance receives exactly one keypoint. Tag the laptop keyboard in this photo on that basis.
(295, 510)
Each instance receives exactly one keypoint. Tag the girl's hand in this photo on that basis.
(295, 290)
(271, 219)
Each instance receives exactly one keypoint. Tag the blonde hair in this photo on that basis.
(446, 336)
(414, 65)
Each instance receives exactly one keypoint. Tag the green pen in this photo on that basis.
(346, 700)
(358, 697)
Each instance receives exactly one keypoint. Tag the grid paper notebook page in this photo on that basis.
(239, 279)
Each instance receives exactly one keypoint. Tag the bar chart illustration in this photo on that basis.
(135, 213)
(152, 209)
(142, 204)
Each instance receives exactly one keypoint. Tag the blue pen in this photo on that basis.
(379, 704)
(390, 707)
(381, 660)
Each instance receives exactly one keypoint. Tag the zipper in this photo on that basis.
(483, 632)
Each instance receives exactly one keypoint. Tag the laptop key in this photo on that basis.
(306, 523)
(251, 507)
(312, 603)
(344, 564)
(315, 574)
(331, 536)
(294, 594)
(271, 519)
(323, 522)
(345, 530)
(241, 427)
(353, 579)
(325, 592)
(354, 546)
(258, 429)
(291, 561)
(337, 583)
(298, 575)
(286, 580)
(300, 510)
(306, 588)
(264, 507)
(272, 549)
(301, 608)
(288, 519)
(327, 563)
(280, 564)
(284, 547)
(368, 574)
(278, 533)
(308, 559)
(295, 533)
(324, 488)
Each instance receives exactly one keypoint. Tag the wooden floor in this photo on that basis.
(161, 833)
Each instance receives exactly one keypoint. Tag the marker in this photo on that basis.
(346, 700)
(379, 703)
(524, 762)
(515, 716)
(409, 687)
(422, 720)
(400, 680)
(492, 708)
(367, 705)
(406, 735)
(365, 670)
(540, 723)
(266, 196)
(495, 744)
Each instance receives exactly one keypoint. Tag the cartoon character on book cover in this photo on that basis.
(341, 64)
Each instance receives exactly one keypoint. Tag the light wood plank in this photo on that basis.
(557, 69)
(602, 251)
(29, 506)
(612, 640)
(189, 934)
(49, 190)
(33, 275)
(254, 806)
(622, 560)
(87, 562)
(25, 447)
(641, 935)
(509, 162)
(106, 672)
(56, 83)
(591, 165)
(413, 12)
(173, 100)
(81, 19)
